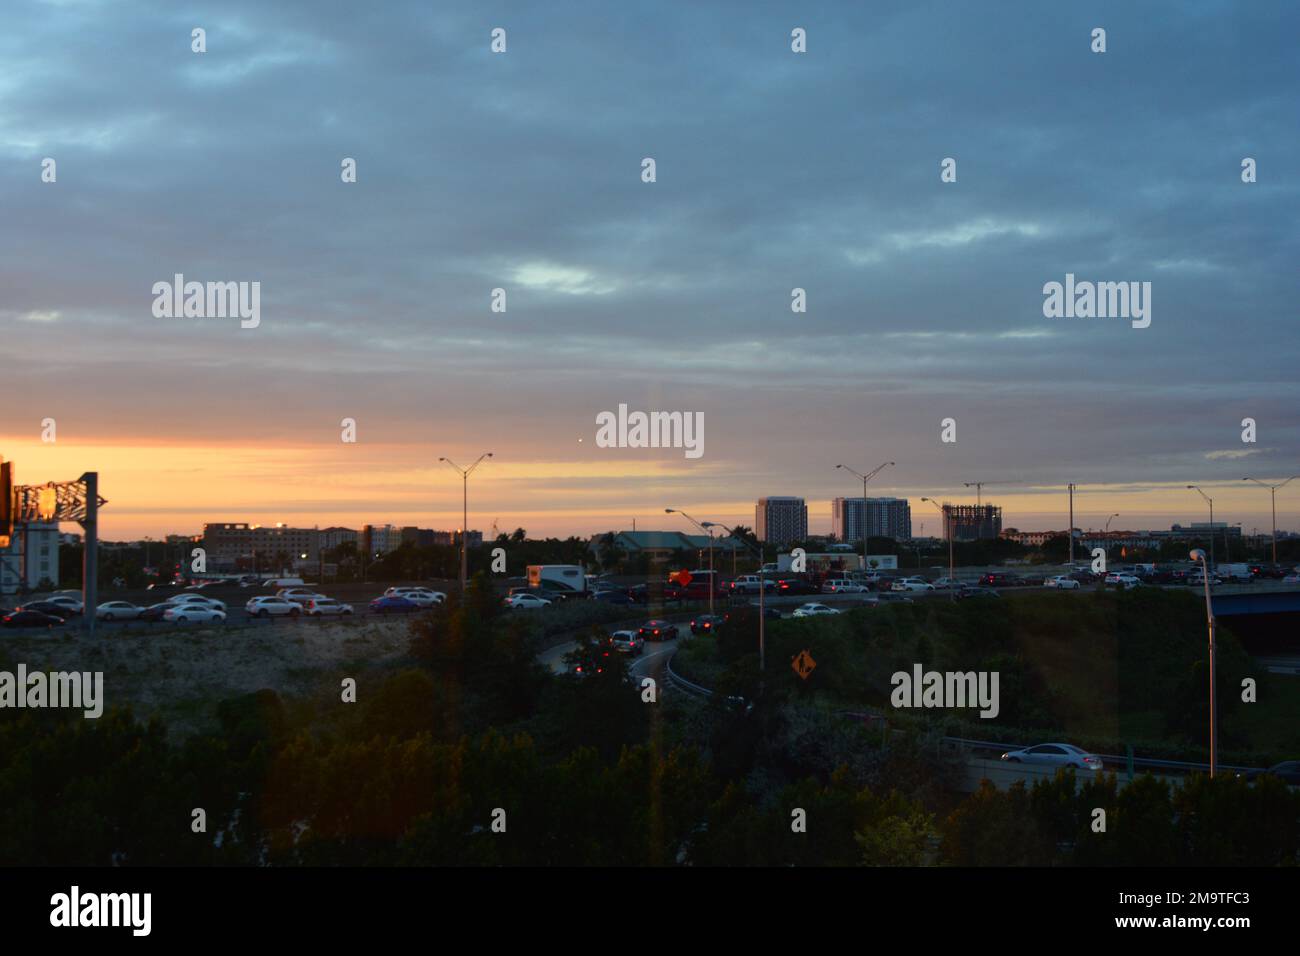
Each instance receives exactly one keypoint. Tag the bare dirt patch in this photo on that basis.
(180, 674)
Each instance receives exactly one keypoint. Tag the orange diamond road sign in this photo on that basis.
(683, 577)
(803, 664)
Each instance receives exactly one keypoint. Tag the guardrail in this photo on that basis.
(998, 747)
(681, 683)
(1144, 762)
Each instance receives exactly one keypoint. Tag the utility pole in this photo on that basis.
(865, 478)
(1210, 501)
(464, 523)
(1272, 490)
(1070, 530)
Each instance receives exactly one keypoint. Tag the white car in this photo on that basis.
(327, 607)
(1125, 581)
(1063, 582)
(946, 584)
(525, 601)
(267, 606)
(912, 584)
(1055, 755)
(1291, 579)
(72, 604)
(841, 586)
(1197, 578)
(813, 610)
(420, 597)
(117, 611)
(196, 613)
(197, 599)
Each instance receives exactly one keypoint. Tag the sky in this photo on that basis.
(775, 170)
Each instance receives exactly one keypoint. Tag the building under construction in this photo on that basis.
(973, 522)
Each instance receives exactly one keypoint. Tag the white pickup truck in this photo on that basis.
(750, 583)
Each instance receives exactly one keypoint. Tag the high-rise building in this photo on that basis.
(32, 558)
(880, 517)
(973, 522)
(781, 519)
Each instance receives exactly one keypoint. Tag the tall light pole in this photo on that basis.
(464, 521)
(947, 527)
(1071, 529)
(1211, 503)
(1272, 490)
(762, 587)
(1199, 555)
(712, 583)
(1108, 521)
(865, 478)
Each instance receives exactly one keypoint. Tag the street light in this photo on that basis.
(1272, 490)
(1108, 521)
(1211, 502)
(865, 478)
(1198, 554)
(674, 511)
(762, 587)
(947, 527)
(464, 521)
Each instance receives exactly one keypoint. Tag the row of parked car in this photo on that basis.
(191, 607)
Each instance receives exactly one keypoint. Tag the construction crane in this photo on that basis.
(979, 487)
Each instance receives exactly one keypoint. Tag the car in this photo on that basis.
(750, 584)
(1125, 581)
(706, 624)
(1197, 579)
(795, 586)
(326, 607)
(947, 584)
(392, 604)
(422, 597)
(1288, 771)
(1062, 582)
(976, 591)
(844, 586)
(627, 642)
(25, 617)
(72, 605)
(813, 610)
(521, 602)
(612, 597)
(1055, 755)
(299, 596)
(994, 579)
(656, 630)
(267, 606)
(655, 594)
(197, 599)
(198, 613)
(912, 584)
(163, 586)
(117, 611)
(1291, 579)
(47, 607)
(154, 612)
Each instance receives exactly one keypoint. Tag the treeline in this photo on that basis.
(472, 754)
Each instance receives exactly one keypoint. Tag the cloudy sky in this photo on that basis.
(775, 170)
